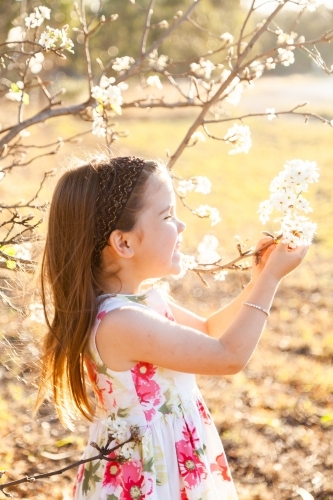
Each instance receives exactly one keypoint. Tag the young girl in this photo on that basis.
(113, 225)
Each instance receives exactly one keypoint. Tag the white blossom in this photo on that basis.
(286, 38)
(16, 93)
(256, 69)
(220, 275)
(202, 184)
(118, 428)
(207, 250)
(198, 136)
(37, 18)
(154, 80)
(240, 138)
(15, 34)
(99, 125)
(286, 197)
(207, 211)
(108, 95)
(53, 39)
(127, 450)
(271, 114)
(123, 86)
(157, 62)
(36, 63)
(227, 37)
(234, 90)
(269, 63)
(265, 210)
(203, 68)
(25, 133)
(122, 63)
(198, 184)
(286, 56)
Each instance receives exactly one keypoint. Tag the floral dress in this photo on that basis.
(179, 455)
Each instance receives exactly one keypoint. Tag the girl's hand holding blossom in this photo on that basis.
(276, 260)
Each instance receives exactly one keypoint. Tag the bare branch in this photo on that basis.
(146, 27)
(103, 454)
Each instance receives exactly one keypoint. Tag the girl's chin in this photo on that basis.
(176, 256)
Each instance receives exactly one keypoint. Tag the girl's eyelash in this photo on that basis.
(168, 217)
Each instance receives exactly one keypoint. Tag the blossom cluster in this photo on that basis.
(122, 63)
(286, 197)
(240, 138)
(16, 93)
(35, 19)
(108, 97)
(156, 62)
(205, 211)
(203, 68)
(197, 183)
(53, 39)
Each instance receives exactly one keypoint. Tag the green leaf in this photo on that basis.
(122, 412)
(148, 466)
(165, 409)
(200, 451)
(90, 476)
(112, 497)
(11, 264)
(14, 87)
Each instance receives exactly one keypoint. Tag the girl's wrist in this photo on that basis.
(269, 278)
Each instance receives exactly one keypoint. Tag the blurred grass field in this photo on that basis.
(276, 417)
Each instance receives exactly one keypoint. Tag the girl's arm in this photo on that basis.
(225, 316)
(130, 334)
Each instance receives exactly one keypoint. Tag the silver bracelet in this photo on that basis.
(257, 307)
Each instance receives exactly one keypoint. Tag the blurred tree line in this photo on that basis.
(123, 36)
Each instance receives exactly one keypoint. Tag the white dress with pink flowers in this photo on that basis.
(179, 455)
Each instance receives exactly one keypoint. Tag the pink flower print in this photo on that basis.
(143, 371)
(203, 412)
(148, 391)
(190, 436)
(132, 482)
(192, 470)
(221, 467)
(183, 495)
(80, 473)
(112, 473)
(110, 391)
(79, 478)
(101, 315)
(149, 395)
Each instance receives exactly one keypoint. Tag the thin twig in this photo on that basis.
(102, 455)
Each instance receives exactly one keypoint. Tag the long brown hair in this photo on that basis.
(70, 282)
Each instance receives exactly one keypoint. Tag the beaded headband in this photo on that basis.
(117, 180)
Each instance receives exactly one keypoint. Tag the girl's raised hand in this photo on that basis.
(260, 259)
(283, 259)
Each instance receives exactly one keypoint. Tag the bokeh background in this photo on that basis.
(276, 417)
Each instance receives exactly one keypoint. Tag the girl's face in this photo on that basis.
(158, 231)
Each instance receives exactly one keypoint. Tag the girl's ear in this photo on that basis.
(120, 244)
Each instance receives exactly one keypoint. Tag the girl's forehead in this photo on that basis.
(162, 183)
(160, 190)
